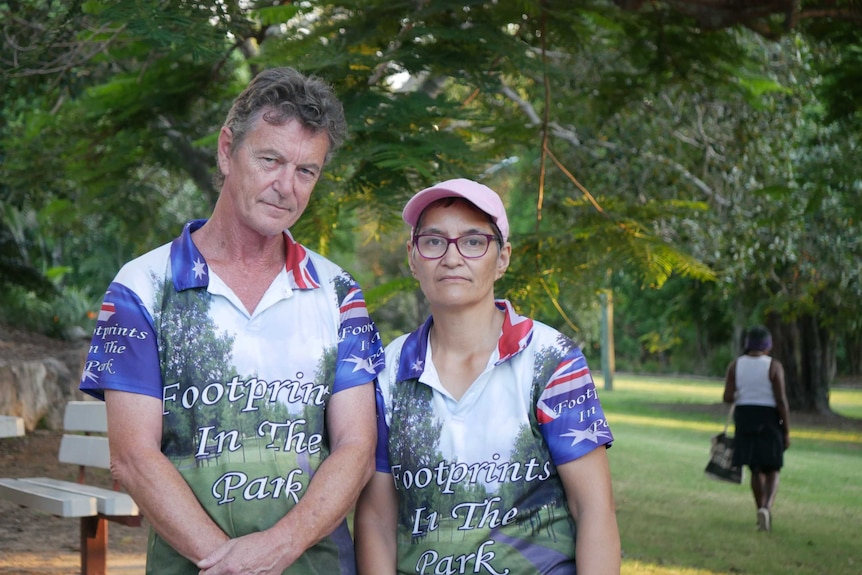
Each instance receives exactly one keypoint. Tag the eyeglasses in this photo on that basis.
(471, 246)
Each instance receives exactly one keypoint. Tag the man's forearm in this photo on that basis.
(168, 503)
(331, 493)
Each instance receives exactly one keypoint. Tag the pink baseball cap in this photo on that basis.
(477, 194)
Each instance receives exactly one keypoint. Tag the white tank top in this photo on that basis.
(752, 381)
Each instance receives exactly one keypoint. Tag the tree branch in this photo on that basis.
(571, 137)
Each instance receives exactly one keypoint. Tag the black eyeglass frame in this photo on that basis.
(450, 241)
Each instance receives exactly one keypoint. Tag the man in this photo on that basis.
(237, 366)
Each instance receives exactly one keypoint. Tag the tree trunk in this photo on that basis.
(818, 365)
(785, 348)
(853, 349)
(807, 352)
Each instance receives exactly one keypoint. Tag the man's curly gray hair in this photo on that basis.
(280, 94)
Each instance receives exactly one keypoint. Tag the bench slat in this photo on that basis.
(108, 501)
(53, 501)
(86, 416)
(11, 426)
(89, 450)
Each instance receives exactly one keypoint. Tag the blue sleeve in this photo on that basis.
(360, 351)
(569, 412)
(123, 353)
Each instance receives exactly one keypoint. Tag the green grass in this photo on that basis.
(673, 520)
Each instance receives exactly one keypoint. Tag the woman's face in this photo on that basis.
(454, 280)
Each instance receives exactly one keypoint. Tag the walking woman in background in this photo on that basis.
(755, 383)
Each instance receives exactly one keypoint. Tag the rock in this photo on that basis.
(37, 389)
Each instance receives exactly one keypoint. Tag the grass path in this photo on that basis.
(673, 520)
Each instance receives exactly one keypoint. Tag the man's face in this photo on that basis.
(270, 177)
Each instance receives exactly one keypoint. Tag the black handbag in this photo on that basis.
(720, 466)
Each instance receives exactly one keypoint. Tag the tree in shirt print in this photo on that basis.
(191, 352)
(313, 415)
(413, 440)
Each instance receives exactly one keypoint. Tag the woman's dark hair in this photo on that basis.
(448, 202)
(758, 338)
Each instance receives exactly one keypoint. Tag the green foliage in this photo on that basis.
(637, 144)
(15, 271)
(682, 328)
(65, 314)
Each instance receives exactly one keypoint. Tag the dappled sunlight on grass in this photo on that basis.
(710, 426)
(640, 568)
(634, 398)
(825, 435)
(670, 388)
(658, 386)
(665, 422)
(846, 401)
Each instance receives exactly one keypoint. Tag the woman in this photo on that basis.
(755, 383)
(491, 438)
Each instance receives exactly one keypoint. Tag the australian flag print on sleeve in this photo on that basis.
(123, 353)
(569, 413)
(360, 351)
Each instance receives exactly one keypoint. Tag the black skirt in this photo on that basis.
(759, 439)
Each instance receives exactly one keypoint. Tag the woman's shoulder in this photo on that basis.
(394, 346)
(545, 336)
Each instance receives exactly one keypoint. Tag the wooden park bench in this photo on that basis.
(85, 444)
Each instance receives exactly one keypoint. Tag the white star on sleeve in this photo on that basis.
(579, 435)
(361, 363)
(88, 375)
